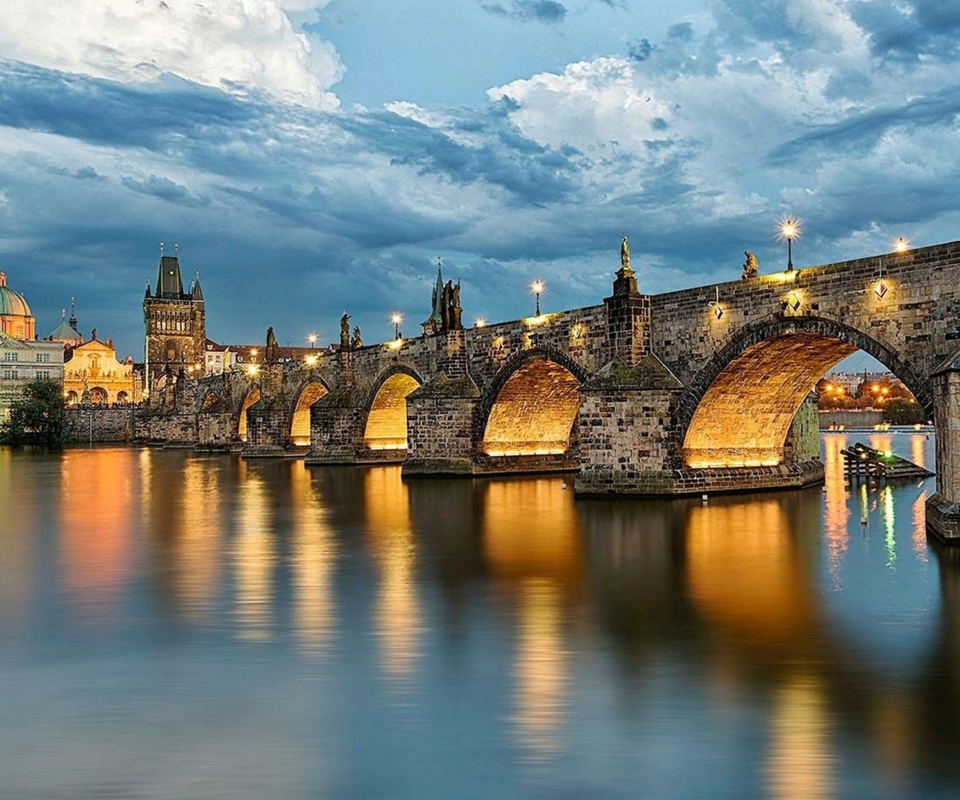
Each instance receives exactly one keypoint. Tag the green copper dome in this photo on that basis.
(11, 302)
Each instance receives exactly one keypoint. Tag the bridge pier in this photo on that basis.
(268, 421)
(216, 431)
(336, 428)
(943, 509)
(440, 418)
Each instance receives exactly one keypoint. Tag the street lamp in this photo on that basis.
(901, 245)
(537, 287)
(396, 318)
(790, 230)
(312, 338)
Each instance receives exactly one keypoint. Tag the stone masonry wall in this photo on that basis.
(94, 424)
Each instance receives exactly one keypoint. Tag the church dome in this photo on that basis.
(12, 303)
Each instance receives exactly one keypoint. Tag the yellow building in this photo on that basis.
(93, 374)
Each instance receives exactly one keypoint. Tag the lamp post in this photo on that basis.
(901, 245)
(537, 287)
(790, 230)
(312, 338)
(396, 318)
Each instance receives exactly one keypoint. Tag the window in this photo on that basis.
(11, 356)
(43, 373)
(43, 358)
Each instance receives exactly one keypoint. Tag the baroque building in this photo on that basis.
(16, 320)
(92, 374)
(175, 323)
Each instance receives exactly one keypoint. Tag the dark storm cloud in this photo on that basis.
(860, 132)
(905, 31)
(529, 10)
(165, 189)
(531, 172)
(106, 113)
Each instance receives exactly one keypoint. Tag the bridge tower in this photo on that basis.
(175, 323)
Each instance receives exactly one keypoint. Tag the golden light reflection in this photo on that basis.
(253, 557)
(918, 454)
(531, 530)
(540, 671)
(98, 513)
(743, 571)
(398, 612)
(18, 511)
(920, 546)
(314, 559)
(195, 545)
(837, 510)
(801, 761)
(889, 527)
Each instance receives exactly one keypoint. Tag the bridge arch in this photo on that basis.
(252, 396)
(738, 409)
(531, 405)
(386, 417)
(308, 392)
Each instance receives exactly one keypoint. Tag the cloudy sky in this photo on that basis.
(311, 156)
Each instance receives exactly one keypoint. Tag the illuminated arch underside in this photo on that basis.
(534, 411)
(387, 421)
(300, 424)
(744, 417)
(250, 399)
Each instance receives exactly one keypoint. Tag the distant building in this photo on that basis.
(175, 323)
(66, 332)
(22, 358)
(218, 358)
(21, 362)
(92, 374)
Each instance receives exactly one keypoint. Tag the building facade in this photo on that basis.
(92, 374)
(21, 362)
(175, 323)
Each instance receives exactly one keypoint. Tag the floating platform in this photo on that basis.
(860, 461)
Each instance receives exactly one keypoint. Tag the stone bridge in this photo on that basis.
(700, 390)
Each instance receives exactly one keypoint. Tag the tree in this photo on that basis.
(903, 412)
(37, 416)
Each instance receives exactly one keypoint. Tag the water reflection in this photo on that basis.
(398, 613)
(585, 647)
(314, 559)
(99, 488)
(253, 557)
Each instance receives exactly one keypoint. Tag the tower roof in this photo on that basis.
(169, 283)
(65, 332)
(12, 303)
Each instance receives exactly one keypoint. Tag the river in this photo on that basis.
(183, 626)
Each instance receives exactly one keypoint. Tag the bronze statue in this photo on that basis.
(455, 310)
(750, 266)
(272, 355)
(345, 331)
(357, 341)
(624, 253)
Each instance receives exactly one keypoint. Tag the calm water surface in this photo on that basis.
(175, 626)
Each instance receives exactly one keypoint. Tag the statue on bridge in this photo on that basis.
(445, 307)
(624, 253)
(345, 331)
(750, 267)
(357, 342)
(272, 355)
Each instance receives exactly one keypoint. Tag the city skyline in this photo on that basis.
(313, 157)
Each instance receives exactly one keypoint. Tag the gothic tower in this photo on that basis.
(175, 323)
